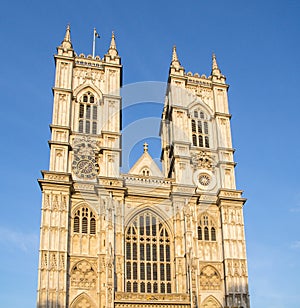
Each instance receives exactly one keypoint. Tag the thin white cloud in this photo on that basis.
(295, 245)
(295, 209)
(15, 239)
(296, 205)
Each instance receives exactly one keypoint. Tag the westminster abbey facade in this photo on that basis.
(170, 238)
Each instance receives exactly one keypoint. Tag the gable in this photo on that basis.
(146, 166)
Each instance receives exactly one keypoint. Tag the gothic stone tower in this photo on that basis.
(148, 238)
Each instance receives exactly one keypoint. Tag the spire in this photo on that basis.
(68, 34)
(174, 54)
(113, 41)
(175, 62)
(215, 69)
(66, 43)
(175, 67)
(112, 52)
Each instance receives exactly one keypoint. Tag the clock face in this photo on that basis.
(84, 166)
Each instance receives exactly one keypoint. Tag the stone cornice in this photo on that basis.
(62, 90)
(56, 56)
(59, 127)
(220, 84)
(230, 195)
(231, 163)
(221, 114)
(67, 144)
(226, 149)
(56, 179)
(112, 96)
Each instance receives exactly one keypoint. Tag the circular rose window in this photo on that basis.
(204, 179)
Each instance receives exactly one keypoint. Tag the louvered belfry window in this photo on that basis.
(200, 129)
(87, 122)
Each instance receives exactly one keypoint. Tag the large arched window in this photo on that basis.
(148, 255)
(87, 122)
(206, 229)
(84, 221)
(200, 129)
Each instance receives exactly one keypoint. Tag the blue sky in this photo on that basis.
(256, 43)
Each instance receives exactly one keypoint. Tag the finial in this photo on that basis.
(112, 52)
(214, 62)
(113, 41)
(68, 34)
(145, 147)
(174, 54)
(66, 43)
(175, 62)
(215, 68)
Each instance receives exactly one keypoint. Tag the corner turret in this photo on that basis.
(215, 71)
(175, 66)
(66, 47)
(112, 54)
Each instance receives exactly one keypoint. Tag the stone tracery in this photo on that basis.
(210, 278)
(83, 275)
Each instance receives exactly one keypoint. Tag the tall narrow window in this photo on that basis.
(87, 122)
(128, 269)
(199, 233)
(148, 252)
(76, 224)
(84, 225)
(200, 129)
(213, 234)
(93, 226)
(206, 234)
(84, 221)
(206, 229)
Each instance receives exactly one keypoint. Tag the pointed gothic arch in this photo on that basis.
(200, 104)
(83, 300)
(210, 278)
(211, 302)
(85, 87)
(157, 211)
(87, 109)
(201, 126)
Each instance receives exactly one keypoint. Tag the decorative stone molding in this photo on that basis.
(57, 177)
(151, 305)
(210, 278)
(81, 187)
(55, 202)
(125, 296)
(139, 180)
(83, 275)
(203, 160)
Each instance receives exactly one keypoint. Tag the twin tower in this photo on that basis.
(149, 238)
